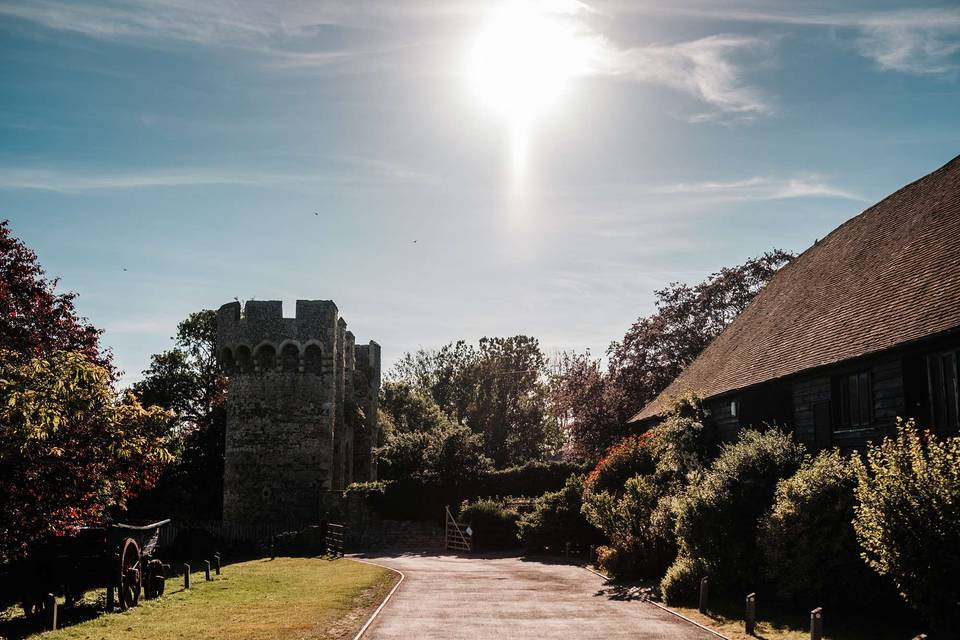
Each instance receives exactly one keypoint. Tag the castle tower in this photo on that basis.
(296, 424)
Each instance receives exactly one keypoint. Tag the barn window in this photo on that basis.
(942, 376)
(855, 401)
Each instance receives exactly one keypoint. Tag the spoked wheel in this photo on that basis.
(153, 580)
(128, 580)
(33, 608)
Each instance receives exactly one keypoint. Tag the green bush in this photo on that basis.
(557, 519)
(717, 517)
(493, 525)
(907, 520)
(807, 544)
(531, 479)
(681, 582)
(629, 522)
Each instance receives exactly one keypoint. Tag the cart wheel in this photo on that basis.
(128, 580)
(153, 580)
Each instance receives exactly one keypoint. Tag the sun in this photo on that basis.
(523, 60)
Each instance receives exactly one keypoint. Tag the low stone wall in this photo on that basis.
(367, 530)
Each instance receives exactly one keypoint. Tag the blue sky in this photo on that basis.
(167, 156)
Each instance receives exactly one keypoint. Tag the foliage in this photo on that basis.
(409, 408)
(629, 457)
(629, 494)
(652, 353)
(494, 526)
(806, 541)
(448, 453)
(681, 582)
(557, 519)
(907, 519)
(187, 380)
(717, 516)
(531, 478)
(35, 320)
(498, 389)
(69, 448)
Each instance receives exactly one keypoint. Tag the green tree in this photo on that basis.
(70, 449)
(188, 381)
(498, 389)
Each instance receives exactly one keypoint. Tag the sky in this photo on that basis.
(445, 169)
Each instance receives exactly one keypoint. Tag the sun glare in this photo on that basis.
(523, 60)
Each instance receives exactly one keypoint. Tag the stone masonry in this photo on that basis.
(301, 409)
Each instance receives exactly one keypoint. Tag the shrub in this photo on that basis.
(807, 544)
(907, 519)
(494, 527)
(629, 457)
(449, 453)
(717, 517)
(532, 478)
(681, 582)
(557, 519)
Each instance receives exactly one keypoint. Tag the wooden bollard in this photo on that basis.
(567, 551)
(109, 599)
(816, 624)
(750, 616)
(590, 559)
(51, 611)
(273, 549)
(186, 576)
(206, 569)
(216, 563)
(704, 594)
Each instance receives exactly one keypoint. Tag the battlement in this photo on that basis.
(262, 320)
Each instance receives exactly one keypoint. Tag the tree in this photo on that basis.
(69, 448)
(653, 352)
(498, 389)
(448, 453)
(408, 408)
(35, 320)
(187, 380)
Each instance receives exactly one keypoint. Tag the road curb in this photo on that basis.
(373, 616)
(667, 609)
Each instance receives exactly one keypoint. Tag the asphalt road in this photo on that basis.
(446, 597)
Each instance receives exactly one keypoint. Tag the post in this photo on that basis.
(51, 611)
(567, 552)
(216, 562)
(186, 576)
(590, 559)
(273, 549)
(750, 617)
(816, 624)
(704, 594)
(109, 599)
(206, 569)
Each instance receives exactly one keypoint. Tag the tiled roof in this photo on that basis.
(890, 275)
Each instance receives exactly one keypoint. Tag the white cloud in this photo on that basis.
(356, 171)
(761, 188)
(919, 40)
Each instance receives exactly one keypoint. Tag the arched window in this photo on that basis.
(312, 357)
(227, 362)
(244, 362)
(266, 358)
(290, 357)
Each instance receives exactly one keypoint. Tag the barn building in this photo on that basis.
(861, 328)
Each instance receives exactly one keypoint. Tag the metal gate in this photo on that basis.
(459, 537)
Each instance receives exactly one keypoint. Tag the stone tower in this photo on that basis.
(301, 409)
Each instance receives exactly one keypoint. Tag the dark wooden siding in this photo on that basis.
(722, 419)
(807, 395)
(887, 384)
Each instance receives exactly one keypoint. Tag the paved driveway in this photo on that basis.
(445, 597)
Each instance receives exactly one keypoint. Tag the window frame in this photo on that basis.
(945, 394)
(854, 400)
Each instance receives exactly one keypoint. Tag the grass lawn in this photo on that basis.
(260, 599)
(777, 624)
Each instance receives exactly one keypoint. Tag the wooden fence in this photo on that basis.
(228, 532)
